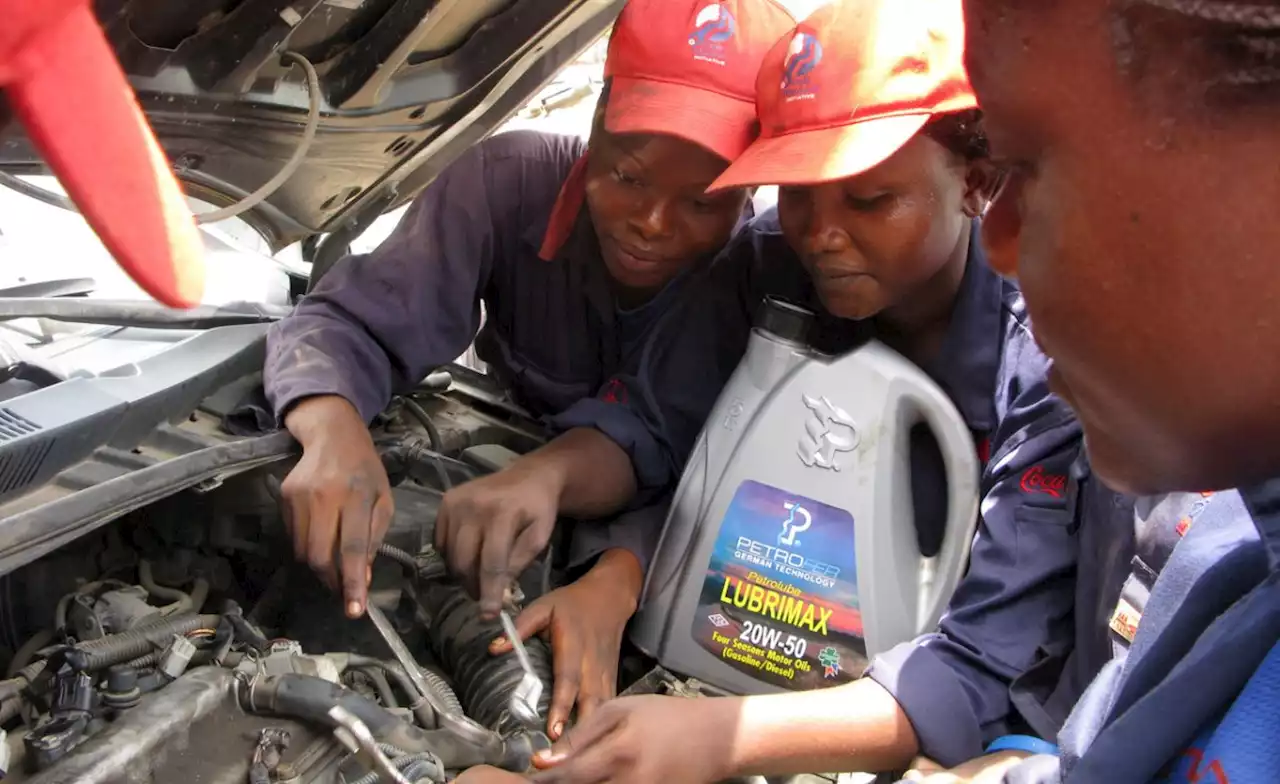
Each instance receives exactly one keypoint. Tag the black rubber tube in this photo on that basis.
(419, 413)
(460, 640)
(181, 600)
(401, 557)
(9, 708)
(443, 693)
(309, 698)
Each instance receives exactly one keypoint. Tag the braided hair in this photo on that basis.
(961, 133)
(1240, 40)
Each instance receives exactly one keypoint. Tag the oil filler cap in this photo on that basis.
(784, 320)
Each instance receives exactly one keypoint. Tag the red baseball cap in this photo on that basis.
(63, 83)
(688, 69)
(851, 84)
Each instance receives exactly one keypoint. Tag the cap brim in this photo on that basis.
(822, 155)
(721, 124)
(79, 111)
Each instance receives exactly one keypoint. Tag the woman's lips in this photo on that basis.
(634, 258)
(836, 276)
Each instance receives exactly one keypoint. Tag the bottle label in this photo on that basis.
(780, 599)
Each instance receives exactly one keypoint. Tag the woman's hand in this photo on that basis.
(490, 529)
(584, 622)
(337, 500)
(483, 774)
(987, 769)
(642, 740)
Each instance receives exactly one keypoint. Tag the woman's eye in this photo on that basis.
(624, 178)
(865, 204)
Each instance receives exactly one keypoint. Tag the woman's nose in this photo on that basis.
(652, 220)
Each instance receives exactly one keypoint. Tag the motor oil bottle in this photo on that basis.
(789, 556)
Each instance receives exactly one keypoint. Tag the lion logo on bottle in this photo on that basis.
(829, 430)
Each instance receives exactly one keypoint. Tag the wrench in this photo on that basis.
(355, 735)
(460, 724)
(523, 705)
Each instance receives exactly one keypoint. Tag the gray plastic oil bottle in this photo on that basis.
(789, 556)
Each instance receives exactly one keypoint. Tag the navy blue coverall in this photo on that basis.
(1010, 655)
(1192, 699)
(378, 323)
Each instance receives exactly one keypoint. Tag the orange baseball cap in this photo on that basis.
(63, 83)
(851, 84)
(688, 69)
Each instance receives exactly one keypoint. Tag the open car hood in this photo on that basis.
(405, 86)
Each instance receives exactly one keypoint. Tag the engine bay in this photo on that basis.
(180, 639)
(156, 627)
(184, 642)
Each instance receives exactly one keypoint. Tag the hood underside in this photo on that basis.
(405, 86)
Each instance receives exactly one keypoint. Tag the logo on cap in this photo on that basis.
(803, 56)
(712, 29)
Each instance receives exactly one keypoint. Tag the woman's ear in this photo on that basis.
(982, 183)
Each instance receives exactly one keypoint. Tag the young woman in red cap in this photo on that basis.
(871, 128)
(574, 251)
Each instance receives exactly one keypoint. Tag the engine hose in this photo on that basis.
(20, 659)
(460, 639)
(434, 771)
(440, 688)
(117, 648)
(420, 414)
(447, 696)
(309, 698)
(401, 557)
(60, 613)
(199, 594)
(8, 709)
(380, 685)
(181, 600)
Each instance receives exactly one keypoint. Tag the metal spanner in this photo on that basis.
(460, 724)
(523, 705)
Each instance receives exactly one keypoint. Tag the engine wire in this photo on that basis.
(300, 152)
(243, 205)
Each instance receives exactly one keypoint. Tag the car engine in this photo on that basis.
(182, 642)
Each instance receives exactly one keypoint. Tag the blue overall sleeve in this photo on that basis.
(379, 322)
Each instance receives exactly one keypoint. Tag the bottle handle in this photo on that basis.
(960, 461)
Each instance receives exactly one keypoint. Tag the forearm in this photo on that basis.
(313, 418)
(857, 727)
(592, 473)
(619, 571)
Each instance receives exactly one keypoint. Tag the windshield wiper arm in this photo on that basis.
(58, 287)
(140, 313)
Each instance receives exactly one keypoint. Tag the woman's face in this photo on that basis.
(1146, 225)
(648, 206)
(874, 241)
